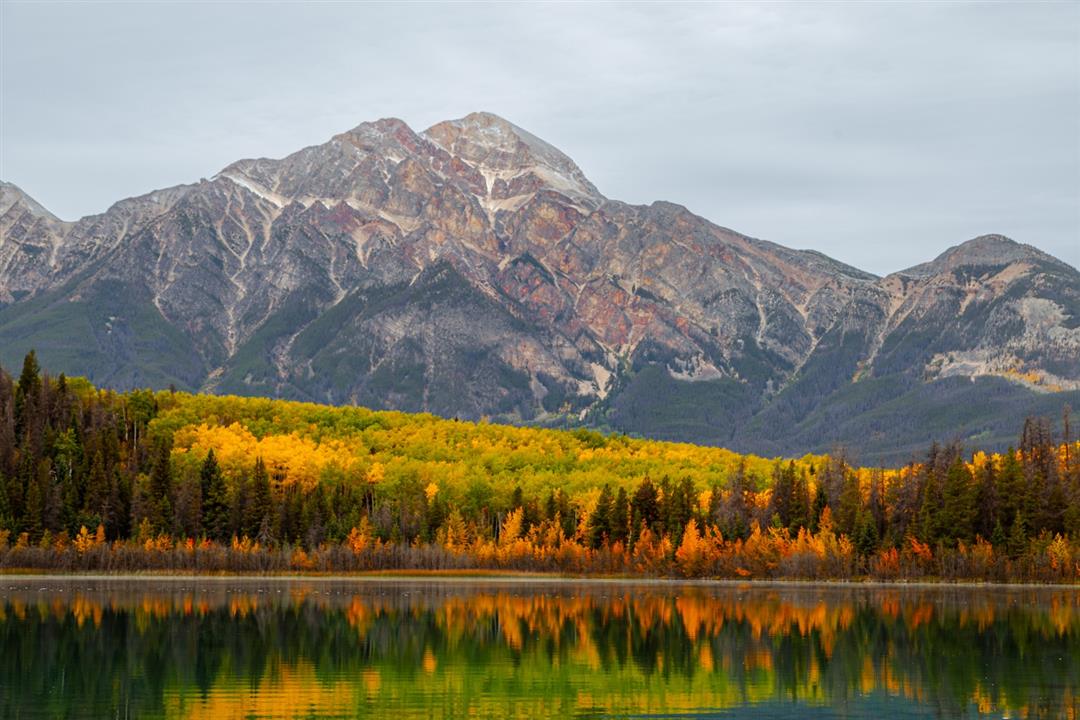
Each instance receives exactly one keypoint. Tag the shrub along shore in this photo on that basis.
(98, 481)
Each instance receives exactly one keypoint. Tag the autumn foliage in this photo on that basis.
(95, 480)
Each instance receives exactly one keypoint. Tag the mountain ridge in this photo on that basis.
(472, 269)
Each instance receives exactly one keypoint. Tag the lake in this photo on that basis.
(254, 648)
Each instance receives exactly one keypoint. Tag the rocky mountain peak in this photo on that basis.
(990, 249)
(380, 133)
(502, 151)
(11, 194)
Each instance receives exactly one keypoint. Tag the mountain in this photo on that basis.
(473, 270)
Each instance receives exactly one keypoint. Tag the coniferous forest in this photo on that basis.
(98, 480)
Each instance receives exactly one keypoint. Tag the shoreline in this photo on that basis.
(520, 578)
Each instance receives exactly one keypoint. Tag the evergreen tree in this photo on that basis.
(27, 393)
(1010, 488)
(800, 509)
(159, 512)
(550, 507)
(97, 489)
(290, 526)
(735, 510)
(821, 501)
(215, 520)
(566, 513)
(645, 507)
(434, 514)
(1017, 542)
(260, 502)
(620, 517)
(986, 501)
(930, 526)
(875, 503)
(958, 504)
(600, 520)
(783, 502)
(866, 533)
(1052, 504)
(239, 502)
(315, 513)
(679, 505)
(849, 504)
(35, 508)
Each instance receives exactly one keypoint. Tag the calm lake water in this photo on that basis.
(229, 648)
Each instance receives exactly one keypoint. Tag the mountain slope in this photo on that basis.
(472, 269)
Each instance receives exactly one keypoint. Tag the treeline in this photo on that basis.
(99, 480)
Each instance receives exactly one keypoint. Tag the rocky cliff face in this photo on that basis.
(474, 270)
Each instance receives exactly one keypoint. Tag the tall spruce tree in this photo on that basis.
(160, 488)
(600, 519)
(957, 517)
(27, 394)
(215, 520)
(620, 517)
(644, 507)
(260, 503)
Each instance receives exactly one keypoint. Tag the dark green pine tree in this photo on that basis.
(986, 501)
(315, 514)
(260, 503)
(565, 513)
(1011, 491)
(644, 507)
(159, 512)
(1016, 545)
(800, 509)
(930, 528)
(239, 500)
(736, 512)
(866, 533)
(957, 517)
(620, 517)
(679, 507)
(849, 504)
(33, 522)
(600, 520)
(783, 493)
(434, 514)
(27, 393)
(998, 538)
(1053, 504)
(215, 521)
(821, 501)
(550, 508)
(97, 490)
(291, 515)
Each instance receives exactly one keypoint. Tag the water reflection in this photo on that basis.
(235, 648)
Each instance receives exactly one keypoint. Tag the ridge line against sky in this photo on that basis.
(878, 134)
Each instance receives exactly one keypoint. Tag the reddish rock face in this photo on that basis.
(473, 269)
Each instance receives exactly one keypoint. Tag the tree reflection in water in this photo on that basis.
(267, 648)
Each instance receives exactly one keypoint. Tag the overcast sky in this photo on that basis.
(880, 134)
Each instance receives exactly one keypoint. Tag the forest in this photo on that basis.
(95, 480)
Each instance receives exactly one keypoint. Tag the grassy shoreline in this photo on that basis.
(517, 577)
